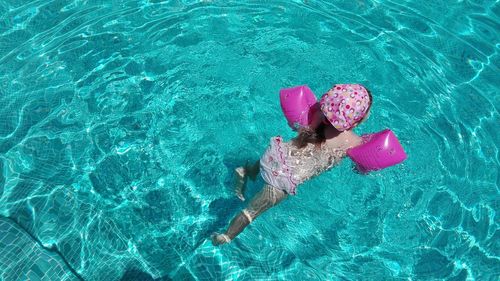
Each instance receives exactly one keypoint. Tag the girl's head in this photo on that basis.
(346, 105)
(343, 107)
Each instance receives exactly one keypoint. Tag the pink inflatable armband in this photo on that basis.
(379, 150)
(296, 104)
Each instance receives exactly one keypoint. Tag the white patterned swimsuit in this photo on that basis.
(284, 166)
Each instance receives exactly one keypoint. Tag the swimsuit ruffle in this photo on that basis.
(275, 169)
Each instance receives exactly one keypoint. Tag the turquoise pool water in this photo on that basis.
(121, 123)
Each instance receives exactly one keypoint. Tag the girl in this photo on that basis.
(317, 148)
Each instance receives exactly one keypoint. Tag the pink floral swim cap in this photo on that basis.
(345, 104)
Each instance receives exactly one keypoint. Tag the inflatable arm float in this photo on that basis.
(297, 104)
(379, 150)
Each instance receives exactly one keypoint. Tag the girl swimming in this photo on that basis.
(317, 148)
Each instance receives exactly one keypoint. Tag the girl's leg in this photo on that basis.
(240, 183)
(266, 198)
(253, 170)
(242, 174)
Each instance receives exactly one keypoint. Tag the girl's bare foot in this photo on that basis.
(241, 179)
(219, 239)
